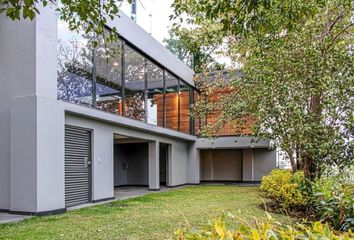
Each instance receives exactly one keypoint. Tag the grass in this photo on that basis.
(153, 216)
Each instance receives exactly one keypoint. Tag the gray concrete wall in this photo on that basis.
(37, 153)
(264, 162)
(120, 174)
(135, 156)
(179, 161)
(17, 68)
(31, 121)
(248, 164)
(221, 165)
(236, 165)
(231, 142)
(102, 155)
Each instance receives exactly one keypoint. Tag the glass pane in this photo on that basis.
(134, 85)
(74, 66)
(197, 120)
(171, 101)
(155, 94)
(184, 101)
(108, 77)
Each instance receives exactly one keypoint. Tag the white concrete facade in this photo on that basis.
(32, 123)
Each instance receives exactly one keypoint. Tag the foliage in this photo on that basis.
(90, 16)
(224, 18)
(269, 229)
(329, 198)
(333, 200)
(194, 53)
(297, 82)
(286, 188)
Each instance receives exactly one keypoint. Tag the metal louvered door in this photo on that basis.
(77, 166)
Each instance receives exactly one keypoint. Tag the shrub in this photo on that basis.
(333, 201)
(331, 197)
(288, 190)
(269, 229)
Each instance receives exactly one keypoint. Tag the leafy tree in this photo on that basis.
(297, 75)
(191, 51)
(88, 15)
(230, 18)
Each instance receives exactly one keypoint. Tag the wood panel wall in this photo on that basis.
(230, 128)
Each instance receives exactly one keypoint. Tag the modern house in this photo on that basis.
(76, 122)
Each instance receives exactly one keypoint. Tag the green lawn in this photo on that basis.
(154, 216)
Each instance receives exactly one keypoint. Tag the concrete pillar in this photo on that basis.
(154, 166)
(169, 165)
(34, 118)
(248, 165)
(193, 164)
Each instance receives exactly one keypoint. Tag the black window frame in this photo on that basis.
(124, 44)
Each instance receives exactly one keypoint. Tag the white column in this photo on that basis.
(154, 166)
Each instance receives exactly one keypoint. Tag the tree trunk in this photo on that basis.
(298, 159)
(308, 167)
(292, 162)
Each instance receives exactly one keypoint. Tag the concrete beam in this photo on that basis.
(232, 142)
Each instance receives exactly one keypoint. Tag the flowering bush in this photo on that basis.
(288, 190)
(269, 229)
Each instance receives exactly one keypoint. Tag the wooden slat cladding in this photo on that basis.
(171, 111)
(231, 128)
(184, 112)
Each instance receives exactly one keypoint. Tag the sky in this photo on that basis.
(152, 16)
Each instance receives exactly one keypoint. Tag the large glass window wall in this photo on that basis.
(121, 80)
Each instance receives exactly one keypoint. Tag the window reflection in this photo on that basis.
(109, 77)
(117, 91)
(184, 97)
(155, 94)
(196, 117)
(171, 101)
(134, 85)
(74, 67)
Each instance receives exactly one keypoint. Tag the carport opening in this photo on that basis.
(221, 165)
(164, 155)
(131, 162)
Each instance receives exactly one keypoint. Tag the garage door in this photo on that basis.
(77, 165)
(221, 165)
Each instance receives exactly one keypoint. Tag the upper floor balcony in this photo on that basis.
(122, 78)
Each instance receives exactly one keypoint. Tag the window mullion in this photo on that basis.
(179, 105)
(145, 90)
(94, 76)
(123, 76)
(164, 98)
